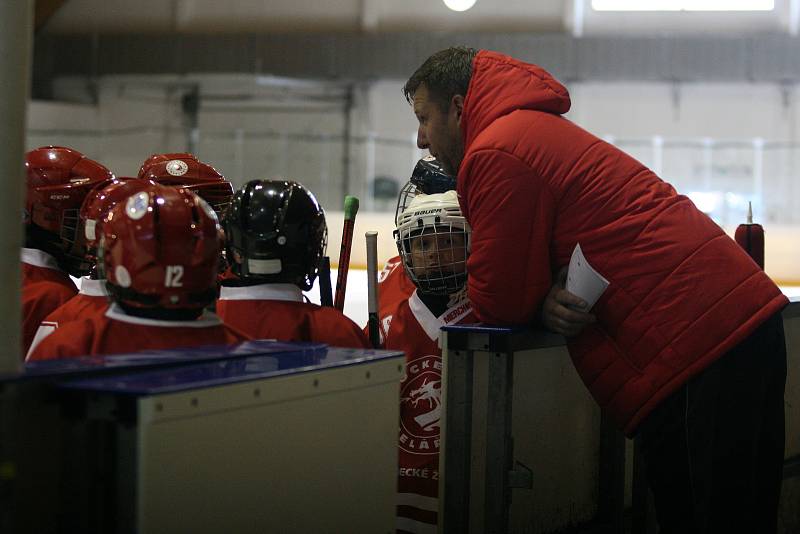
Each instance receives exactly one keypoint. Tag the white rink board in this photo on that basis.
(355, 300)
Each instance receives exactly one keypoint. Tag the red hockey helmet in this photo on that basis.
(58, 180)
(185, 170)
(98, 203)
(159, 249)
(155, 159)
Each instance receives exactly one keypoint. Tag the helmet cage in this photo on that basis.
(73, 243)
(217, 195)
(58, 179)
(407, 194)
(433, 260)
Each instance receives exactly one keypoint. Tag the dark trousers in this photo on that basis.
(714, 449)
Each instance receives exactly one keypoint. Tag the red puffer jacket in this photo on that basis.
(532, 185)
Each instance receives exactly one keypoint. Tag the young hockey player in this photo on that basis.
(394, 286)
(276, 236)
(57, 181)
(92, 297)
(158, 251)
(433, 240)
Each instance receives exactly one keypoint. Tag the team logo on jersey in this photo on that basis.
(421, 405)
(177, 167)
(387, 270)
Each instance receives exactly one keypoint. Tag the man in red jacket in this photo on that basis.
(684, 348)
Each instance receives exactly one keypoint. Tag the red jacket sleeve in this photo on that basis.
(511, 211)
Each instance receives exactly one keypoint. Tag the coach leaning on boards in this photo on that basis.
(686, 345)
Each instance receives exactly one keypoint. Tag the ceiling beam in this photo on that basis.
(359, 57)
(44, 9)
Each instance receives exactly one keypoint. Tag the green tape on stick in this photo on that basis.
(350, 207)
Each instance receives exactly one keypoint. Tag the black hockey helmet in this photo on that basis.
(275, 231)
(429, 178)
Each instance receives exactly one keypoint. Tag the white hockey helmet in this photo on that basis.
(433, 240)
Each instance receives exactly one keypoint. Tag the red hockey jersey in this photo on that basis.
(92, 299)
(394, 286)
(277, 311)
(413, 329)
(115, 332)
(45, 287)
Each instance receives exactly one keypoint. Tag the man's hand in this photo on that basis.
(560, 309)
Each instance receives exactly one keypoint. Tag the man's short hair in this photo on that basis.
(446, 73)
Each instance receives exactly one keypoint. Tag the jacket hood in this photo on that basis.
(501, 84)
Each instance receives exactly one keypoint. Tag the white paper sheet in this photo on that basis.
(583, 280)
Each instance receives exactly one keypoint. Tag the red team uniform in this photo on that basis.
(57, 180)
(159, 256)
(275, 237)
(393, 288)
(433, 241)
(413, 329)
(116, 332)
(92, 299)
(45, 287)
(277, 311)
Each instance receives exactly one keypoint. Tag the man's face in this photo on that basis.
(440, 131)
(439, 254)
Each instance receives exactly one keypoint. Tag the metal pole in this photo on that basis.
(346, 141)
(15, 69)
(369, 183)
(499, 448)
(455, 456)
(190, 104)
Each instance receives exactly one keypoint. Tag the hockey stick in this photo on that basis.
(325, 292)
(372, 288)
(350, 210)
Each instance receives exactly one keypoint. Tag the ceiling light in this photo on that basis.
(459, 5)
(683, 5)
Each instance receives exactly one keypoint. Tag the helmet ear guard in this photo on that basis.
(433, 240)
(275, 233)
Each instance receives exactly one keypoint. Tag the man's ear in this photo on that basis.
(457, 106)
